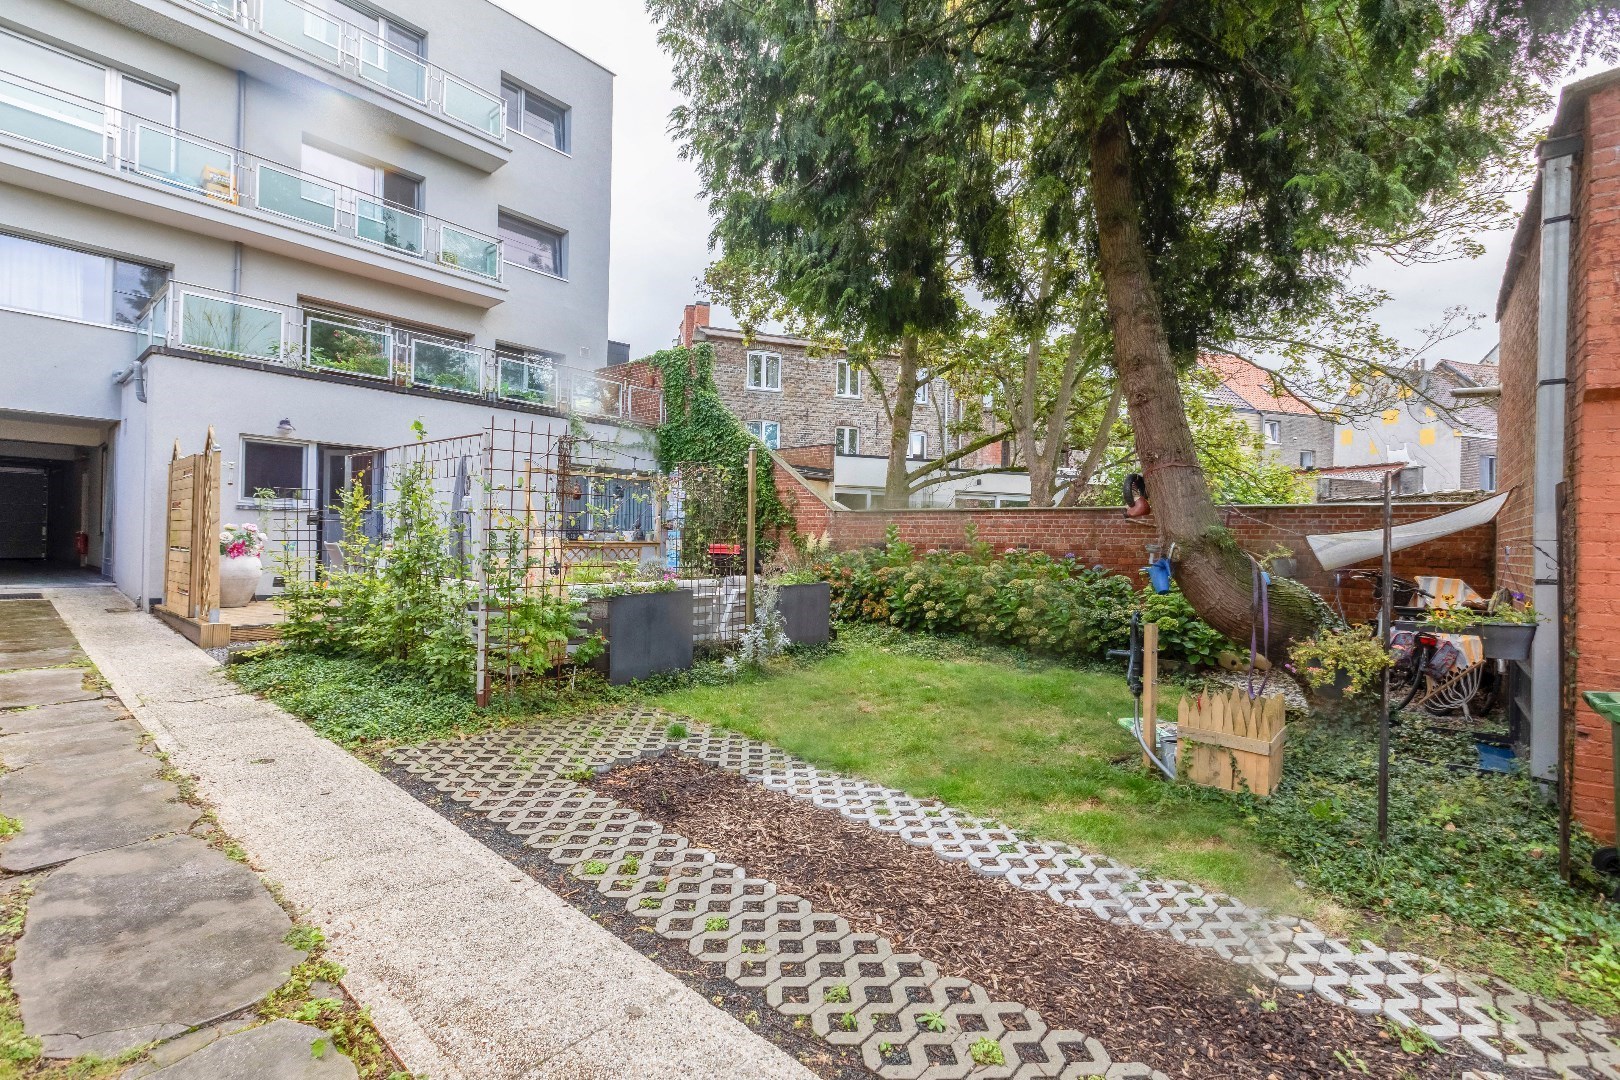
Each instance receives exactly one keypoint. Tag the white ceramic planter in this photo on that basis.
(239, 579)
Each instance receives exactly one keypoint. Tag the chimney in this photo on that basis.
(696, 315)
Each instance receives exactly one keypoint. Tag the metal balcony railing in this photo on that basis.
(122, 142)
(362, 55)
(207, 320)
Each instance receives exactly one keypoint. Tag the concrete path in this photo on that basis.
(470, 968)
(136, 931)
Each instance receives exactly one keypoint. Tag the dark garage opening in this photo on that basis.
(42, 503)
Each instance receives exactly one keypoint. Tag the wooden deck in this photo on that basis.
(257, 621)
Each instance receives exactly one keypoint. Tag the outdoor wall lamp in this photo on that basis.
(285, 428)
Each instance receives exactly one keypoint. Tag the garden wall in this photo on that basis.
(1103, 535)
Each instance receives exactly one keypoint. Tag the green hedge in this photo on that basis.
(1022, 598)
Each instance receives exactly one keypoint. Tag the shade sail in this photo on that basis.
(1335, 550)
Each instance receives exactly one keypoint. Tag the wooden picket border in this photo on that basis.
(1233, 742)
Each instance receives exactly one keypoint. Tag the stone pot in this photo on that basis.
(239, 579)
(1505, 641)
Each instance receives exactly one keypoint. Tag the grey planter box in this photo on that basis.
(807, 611)
(1505, 641)
(647, 633)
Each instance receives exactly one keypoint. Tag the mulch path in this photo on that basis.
(1146, 997)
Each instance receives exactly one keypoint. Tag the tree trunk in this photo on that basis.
(897, 484)
(1214, 574)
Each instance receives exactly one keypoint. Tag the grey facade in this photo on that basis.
(342, 216)
(1446, 443)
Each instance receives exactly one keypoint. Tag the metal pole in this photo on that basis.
(748, 545)
(1386, 629)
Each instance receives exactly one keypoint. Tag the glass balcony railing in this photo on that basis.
(205, 320)
(368, 57)
(42, 115)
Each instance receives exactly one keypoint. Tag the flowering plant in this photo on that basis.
(241, 541)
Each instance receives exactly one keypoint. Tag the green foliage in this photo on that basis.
(351, 700)
(986, 1051)
(1353, 653)
(1473, 854)
(1022, 598)
(699, 429)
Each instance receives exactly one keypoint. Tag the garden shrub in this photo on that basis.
(1023, 598)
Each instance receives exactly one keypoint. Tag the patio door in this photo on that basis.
(341, 468)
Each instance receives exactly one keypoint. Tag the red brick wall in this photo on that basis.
(1593, 447)
(1516, 420)
(1102, 535)
(808, 457)
(812, 516)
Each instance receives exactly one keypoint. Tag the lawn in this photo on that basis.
(1032, 743)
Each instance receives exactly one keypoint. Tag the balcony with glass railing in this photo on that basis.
(196, 319)
(367, 58)
(226, 175)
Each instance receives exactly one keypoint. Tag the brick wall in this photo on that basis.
(1516, 456)
(1102, 535)
(1593, 451)
(809, 457)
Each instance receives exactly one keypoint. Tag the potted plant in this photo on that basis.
(1505, 630)
(1339, 664)
(240, 566)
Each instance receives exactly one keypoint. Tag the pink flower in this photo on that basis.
(236, 550)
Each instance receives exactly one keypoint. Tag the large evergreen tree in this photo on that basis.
(1218, 163)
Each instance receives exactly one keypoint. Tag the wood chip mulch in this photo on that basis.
(1146, 997)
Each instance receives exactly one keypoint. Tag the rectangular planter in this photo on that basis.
(807, 611)
(647, 633)
(1505, 641)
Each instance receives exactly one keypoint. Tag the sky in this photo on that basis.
(661, 225)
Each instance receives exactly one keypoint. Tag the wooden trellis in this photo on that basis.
(191, 564)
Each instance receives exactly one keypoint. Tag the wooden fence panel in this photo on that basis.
(191, 568)
(1231, 742)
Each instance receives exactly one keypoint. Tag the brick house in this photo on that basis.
(827, 417)
(1293, 432)
(1559, 318)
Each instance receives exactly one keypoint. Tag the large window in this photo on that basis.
(847, 440)
(538, 117)
(272, 468)
(61, 100)
(532, 245)
(849, 380)
(764, 371)
(52, 280)
(768, 432)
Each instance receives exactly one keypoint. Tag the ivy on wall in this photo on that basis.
(698, 429)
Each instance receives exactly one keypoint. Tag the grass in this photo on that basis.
(1031, 743)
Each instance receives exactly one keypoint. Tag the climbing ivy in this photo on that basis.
(698, 429)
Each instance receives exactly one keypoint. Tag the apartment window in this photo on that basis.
(49, 279)
(273, 467)
(1273, 429)
(399, 36)
(764, 371)
(917, 446)
(1307, 459)
(847, 440)
(922, 387)
(531, 245)
(538, 117)
(1487, 472)
(768, 432)
(75, 125)
(363, 177)
(849, 380)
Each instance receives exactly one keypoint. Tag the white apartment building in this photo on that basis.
(305, 223)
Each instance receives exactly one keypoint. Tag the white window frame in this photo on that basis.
(847, 381)
(922, 387)
(1303, 454)
(764, 383)
(565, 115)
(917, 446)
(1495, 479)
(768, 432)
(244, 497)
(1273, 431)
(846, 440)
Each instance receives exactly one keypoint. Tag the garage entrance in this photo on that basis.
(51, 499)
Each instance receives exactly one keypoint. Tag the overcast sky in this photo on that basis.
(661, 228)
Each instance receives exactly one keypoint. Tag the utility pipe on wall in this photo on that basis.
(1552, 354)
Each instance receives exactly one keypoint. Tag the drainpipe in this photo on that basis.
(1552, 352)
(241, 136)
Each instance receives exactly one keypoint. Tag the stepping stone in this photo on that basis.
(44, 656)
(94, 803)
(280, 1050)
(126, 947)
(49, 686)
(65, 744)
(67, 714)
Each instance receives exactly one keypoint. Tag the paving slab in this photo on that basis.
(279, 1050)
(125, 947)
(62, 745)
(47, 686)
(100, 802)
(41, 657)
(462, 983)
(66, 714)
